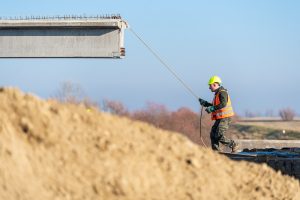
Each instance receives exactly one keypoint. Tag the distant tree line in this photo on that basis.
(183, 120)
(286, 114)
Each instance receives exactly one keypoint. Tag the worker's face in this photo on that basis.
(213, 87)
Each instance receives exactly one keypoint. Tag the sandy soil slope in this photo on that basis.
(53, 151)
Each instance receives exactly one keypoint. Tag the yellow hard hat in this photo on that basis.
(214, 79)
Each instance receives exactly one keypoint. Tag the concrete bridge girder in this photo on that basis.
(84, 38)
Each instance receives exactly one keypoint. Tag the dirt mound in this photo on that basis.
(53, 151)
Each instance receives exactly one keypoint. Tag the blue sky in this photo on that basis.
(253, 45)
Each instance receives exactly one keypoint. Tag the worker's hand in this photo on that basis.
(210, 109)
(202, 102)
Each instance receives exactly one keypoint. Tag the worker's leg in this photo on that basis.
(214, 136)
(222, 128)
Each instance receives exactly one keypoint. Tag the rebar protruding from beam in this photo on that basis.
(63, 17)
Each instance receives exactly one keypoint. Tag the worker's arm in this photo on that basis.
(223, 100)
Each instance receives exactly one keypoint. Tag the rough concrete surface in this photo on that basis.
(68, 38)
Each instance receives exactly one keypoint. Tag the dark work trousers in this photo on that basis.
(217, 134)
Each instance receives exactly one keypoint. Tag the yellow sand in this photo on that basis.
(53, 151)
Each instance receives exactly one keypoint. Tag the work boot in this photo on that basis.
(234, 147)
(215, 147)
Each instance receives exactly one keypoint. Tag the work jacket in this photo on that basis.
(222, 105)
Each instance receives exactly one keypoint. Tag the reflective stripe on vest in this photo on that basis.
(225, 112)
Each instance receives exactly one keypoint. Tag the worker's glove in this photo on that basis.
(202, 102)
(210, 109)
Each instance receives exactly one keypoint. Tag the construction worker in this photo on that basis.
(222, 112)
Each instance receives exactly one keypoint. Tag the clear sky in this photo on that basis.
(253, 45)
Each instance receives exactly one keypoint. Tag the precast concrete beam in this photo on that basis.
(62, 38)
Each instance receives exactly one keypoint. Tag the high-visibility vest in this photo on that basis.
(225, 112)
